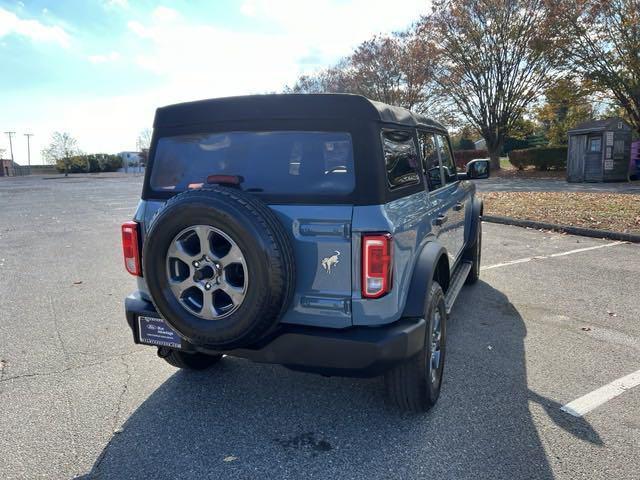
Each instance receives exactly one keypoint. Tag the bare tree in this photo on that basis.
(144, 139)
(143, 143)
(496, 60)
(62, 147)
(601, 40)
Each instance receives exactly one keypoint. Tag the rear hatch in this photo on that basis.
(303, 176)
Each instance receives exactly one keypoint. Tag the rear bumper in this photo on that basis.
(356, 351)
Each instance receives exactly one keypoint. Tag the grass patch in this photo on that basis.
(505, 164)
(602, 211)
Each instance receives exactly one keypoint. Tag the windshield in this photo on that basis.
(276, 162)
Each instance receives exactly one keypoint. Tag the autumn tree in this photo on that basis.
(496, 60)
(566, 105)
(333, 79)
(394, 69)
(601, 40)
(463, 139)
(60, 150)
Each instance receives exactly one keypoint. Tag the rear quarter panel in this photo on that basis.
(408, 220)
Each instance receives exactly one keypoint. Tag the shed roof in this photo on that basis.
(597, 125)
(290, 107)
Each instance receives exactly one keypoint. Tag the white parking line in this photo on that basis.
(583, 405)
(541, 257)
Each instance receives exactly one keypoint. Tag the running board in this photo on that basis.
(456, 283)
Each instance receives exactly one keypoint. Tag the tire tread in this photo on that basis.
(281, 262)
(406, 383)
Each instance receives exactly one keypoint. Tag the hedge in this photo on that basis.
(542, 158)
(97, 162)
(463, 157)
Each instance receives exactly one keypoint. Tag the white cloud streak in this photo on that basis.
(109, 57)
(36, 31)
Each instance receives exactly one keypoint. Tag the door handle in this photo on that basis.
(440, 219)
(458, 206)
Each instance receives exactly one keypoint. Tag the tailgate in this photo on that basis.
(321, 236)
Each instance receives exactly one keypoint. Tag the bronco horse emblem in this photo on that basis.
(329, 262)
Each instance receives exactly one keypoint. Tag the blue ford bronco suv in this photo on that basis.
(326, 233)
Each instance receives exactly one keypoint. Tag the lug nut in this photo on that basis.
(207, 286)
(196, 264)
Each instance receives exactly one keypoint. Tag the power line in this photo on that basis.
(10, 144)
(28, 135)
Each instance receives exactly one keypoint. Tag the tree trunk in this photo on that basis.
(494, 156)
(494, 148)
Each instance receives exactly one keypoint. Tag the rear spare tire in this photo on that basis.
(219, 267)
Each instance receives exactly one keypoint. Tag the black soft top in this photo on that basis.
(340, 106)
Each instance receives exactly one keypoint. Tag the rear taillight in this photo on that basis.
(376, 264)
(131, 248)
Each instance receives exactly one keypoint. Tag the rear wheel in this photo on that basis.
(188, 361)
(415, 384)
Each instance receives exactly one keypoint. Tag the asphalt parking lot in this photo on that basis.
(79, 399)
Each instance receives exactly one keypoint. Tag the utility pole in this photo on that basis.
(10, 144)
(28, 135)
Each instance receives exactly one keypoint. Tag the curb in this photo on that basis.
(585, 232)
(99, 176)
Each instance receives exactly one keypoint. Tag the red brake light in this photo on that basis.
(376, 265)
(131, 248)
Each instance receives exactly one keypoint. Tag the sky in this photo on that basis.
(98, 69)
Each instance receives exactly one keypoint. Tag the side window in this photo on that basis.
(400, 157)
(446, 157)
(430, 163)
(595, 144)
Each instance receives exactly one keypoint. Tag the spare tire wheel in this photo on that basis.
(219, 267)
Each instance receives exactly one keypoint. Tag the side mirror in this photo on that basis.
(478, 169)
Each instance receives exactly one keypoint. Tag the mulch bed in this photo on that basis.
(528, 173)
(603, 211)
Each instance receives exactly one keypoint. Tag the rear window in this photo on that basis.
(282, 162)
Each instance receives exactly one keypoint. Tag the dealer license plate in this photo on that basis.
(155, 331)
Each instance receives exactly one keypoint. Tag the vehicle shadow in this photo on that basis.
(244, 420)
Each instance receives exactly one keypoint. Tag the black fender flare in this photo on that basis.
(422, 278)
(477, 209)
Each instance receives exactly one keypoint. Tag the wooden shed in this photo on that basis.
(599, 151)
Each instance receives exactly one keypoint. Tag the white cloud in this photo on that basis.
(200, 60)
(32, 29)
(335, 27)
(138, 29)
(248, 9)
(165, 14)
(109, 57)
